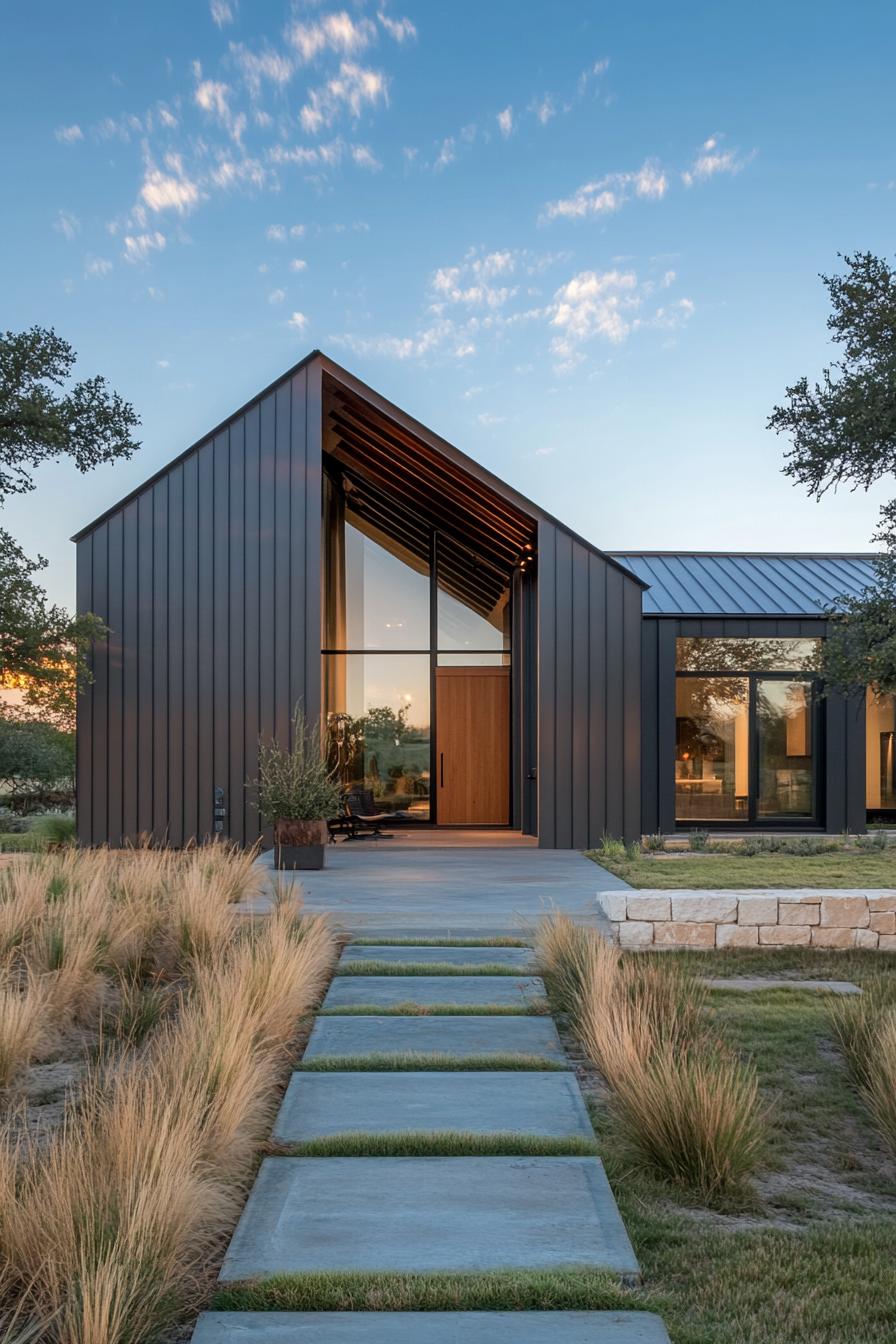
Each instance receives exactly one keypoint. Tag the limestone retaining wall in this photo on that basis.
(752, 918)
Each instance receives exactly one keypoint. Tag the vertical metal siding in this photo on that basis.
(589, 674)
(210, 583)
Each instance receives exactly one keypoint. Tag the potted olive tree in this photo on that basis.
(297, 793)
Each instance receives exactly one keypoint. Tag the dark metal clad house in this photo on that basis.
(474, 662)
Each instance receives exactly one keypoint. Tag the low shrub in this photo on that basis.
(655, 842)
(872, 840)
(697, 840)
(23, 842)
(55, 829)
(610, 848)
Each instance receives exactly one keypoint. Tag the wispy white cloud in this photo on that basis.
(223, 12)
(401, 30)
(171, 190)
(334, 32)
(68, 135)
(447, 153)
(67, 223)
(544, 108)
(275, 233)
(277, 296)
(298, 321)
(261, 67)
(593, 304)
(609, 305)
(712, 159)
(213, 97)
(489, 418)
(97, 266)
(593, 72)
(505, 122)
(137, 247)
(298, 264)
(364, 157)
(353, 88)
(610, 193)
(471, 283)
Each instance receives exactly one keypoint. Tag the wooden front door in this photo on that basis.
(473, 746)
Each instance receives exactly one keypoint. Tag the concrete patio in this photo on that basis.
(476, 892)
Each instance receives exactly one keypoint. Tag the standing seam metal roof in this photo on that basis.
(703, 583)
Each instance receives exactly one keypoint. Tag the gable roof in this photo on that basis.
(337, 374)
(709, 583)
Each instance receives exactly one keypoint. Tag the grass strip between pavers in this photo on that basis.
(441, 942)
(573, 1289)
(441, 1143)
(347, 968)
(430, 1062)
(530, 1008)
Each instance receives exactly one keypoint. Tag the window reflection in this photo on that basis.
(712, 756)
(378, 734)
(784, 747)
(880, 752)
(473, 601)
(742, 654)
(376, 590)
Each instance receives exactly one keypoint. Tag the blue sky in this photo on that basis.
(580, 240)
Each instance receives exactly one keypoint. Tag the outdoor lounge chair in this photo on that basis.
(359, 805)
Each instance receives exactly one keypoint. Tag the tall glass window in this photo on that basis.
(378, 727)
(880, 753)
(711, 765)
(388, 622)
(745, 743)
(473, 602)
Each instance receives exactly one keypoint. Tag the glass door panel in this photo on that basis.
(712, 748)
(378, 728)
(784, 748)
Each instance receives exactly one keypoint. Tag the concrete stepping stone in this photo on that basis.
(452, 1036)
(389, 991)
(748, 984)
(520, 958)
(432, 1214)
(429, 1327)
(320, 1104)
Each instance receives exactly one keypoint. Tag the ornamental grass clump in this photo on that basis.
(865, 1029)
(109, 1225)
(687, 1105)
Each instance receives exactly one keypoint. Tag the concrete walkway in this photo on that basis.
(440, 1214)
(461, 893)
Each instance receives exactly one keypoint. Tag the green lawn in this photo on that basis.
(810, 1259)
(847, 868)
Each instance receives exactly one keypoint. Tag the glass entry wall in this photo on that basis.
(746, 731)
(880, 756)
(401, 600)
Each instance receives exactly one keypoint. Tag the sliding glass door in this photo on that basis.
(747, 732)
(784, 749)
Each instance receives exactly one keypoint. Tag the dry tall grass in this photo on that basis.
(865, 1028)
(687, 1104)
(107, 1231)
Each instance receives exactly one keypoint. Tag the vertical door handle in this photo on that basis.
(441, 769)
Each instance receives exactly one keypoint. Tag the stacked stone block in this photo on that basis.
(752, 918)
